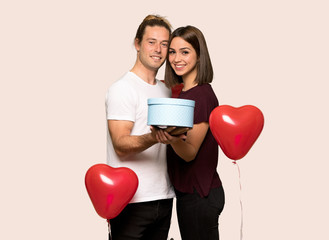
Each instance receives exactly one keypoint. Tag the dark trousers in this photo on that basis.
(143, 221)
(197, 216)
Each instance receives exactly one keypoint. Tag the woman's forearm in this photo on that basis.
(185, 150)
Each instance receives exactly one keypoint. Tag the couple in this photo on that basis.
(167, 166)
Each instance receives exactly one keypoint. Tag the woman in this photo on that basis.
(192, 162)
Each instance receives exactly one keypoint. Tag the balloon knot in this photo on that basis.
(234, 162)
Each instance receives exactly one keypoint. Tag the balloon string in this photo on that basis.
(241, 224)
(109, 228)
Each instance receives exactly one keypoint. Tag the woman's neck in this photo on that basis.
(189, 80)
(188, 86)
(189, 83)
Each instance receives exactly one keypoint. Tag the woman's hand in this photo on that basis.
(175, 131)
(187, 149)
(169, 135)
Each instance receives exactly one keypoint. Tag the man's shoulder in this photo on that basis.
(121, 90)
(123, 79)
(124, 83)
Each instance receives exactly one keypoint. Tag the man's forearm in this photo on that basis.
(131, 144)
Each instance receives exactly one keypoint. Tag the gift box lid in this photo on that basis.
(170, 101)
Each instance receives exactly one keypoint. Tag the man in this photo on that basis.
(131, 143)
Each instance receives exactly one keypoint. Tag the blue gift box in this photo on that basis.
(165, 112)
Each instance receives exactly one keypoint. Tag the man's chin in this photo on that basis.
(156, 66)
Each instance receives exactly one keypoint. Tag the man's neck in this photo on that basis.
(144, 73)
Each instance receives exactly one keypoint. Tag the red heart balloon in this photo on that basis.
(236, 129)
(110, 189)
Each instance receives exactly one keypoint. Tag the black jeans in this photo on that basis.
(143, 221)
(197, 216)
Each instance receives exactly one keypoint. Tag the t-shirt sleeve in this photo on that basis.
(120, 103)
(204, 104)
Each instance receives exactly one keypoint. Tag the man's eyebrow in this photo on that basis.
(156, 39)
(150, 39)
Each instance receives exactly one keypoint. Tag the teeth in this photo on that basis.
(156, 57)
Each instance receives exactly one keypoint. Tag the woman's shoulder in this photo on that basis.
(206, 87)
(206, 91)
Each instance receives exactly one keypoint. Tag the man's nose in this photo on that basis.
(158, 47)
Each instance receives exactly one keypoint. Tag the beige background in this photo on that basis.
(57, 59)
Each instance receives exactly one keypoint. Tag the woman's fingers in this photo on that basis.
(179, 131)
(170, 129)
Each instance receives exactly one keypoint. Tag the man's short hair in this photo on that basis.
(151, 20)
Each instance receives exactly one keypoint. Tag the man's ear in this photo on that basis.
(137, 44)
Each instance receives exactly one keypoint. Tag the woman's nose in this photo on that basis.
(177, 58)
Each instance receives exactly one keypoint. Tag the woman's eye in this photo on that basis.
(171, 52)
(185, 52)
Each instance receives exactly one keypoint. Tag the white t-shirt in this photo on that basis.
(126, 100)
